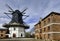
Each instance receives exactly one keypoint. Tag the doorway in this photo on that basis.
(21, 35)
(14, 35)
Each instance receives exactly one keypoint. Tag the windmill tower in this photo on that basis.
(16, 26)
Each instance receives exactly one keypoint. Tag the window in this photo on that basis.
(40, 30)
(1, 31)
(48, 20)
(44, 29)
(14, 29)
(44, 22)
(40, 37)
(44, 35)
(1, 34)
(48, 35)
(48, 27)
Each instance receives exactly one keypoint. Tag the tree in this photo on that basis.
(27, 35)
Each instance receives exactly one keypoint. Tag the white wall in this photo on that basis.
(17, 31)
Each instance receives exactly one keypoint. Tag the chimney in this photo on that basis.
(40, 18)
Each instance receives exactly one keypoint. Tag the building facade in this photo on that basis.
(16, 30)
(49, 27)
(37, 33)
(3, 33)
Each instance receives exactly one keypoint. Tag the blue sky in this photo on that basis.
(36, 9)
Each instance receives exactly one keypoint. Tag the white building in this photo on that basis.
(16, 30)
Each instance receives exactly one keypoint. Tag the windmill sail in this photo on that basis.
(24, 10)
(9, 7)
(7, 15)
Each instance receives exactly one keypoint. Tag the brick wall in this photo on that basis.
(3, 33)
(49, 26)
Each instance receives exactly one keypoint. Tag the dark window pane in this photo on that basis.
(44, 29)
(48, 20)
(14, 29)
(1, 31)
(40, 30)
(44, 22)
(1, 34)
(48, 27)
(48, 35)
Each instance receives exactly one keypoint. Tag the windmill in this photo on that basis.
(16, 22)
(17, 16)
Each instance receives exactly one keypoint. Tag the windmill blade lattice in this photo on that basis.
(9, 7)
(7, 15)
(24, 10)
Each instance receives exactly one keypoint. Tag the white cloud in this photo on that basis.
(36, 9)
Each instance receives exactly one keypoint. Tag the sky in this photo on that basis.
(36, 9)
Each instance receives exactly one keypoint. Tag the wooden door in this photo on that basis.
(14, 35)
